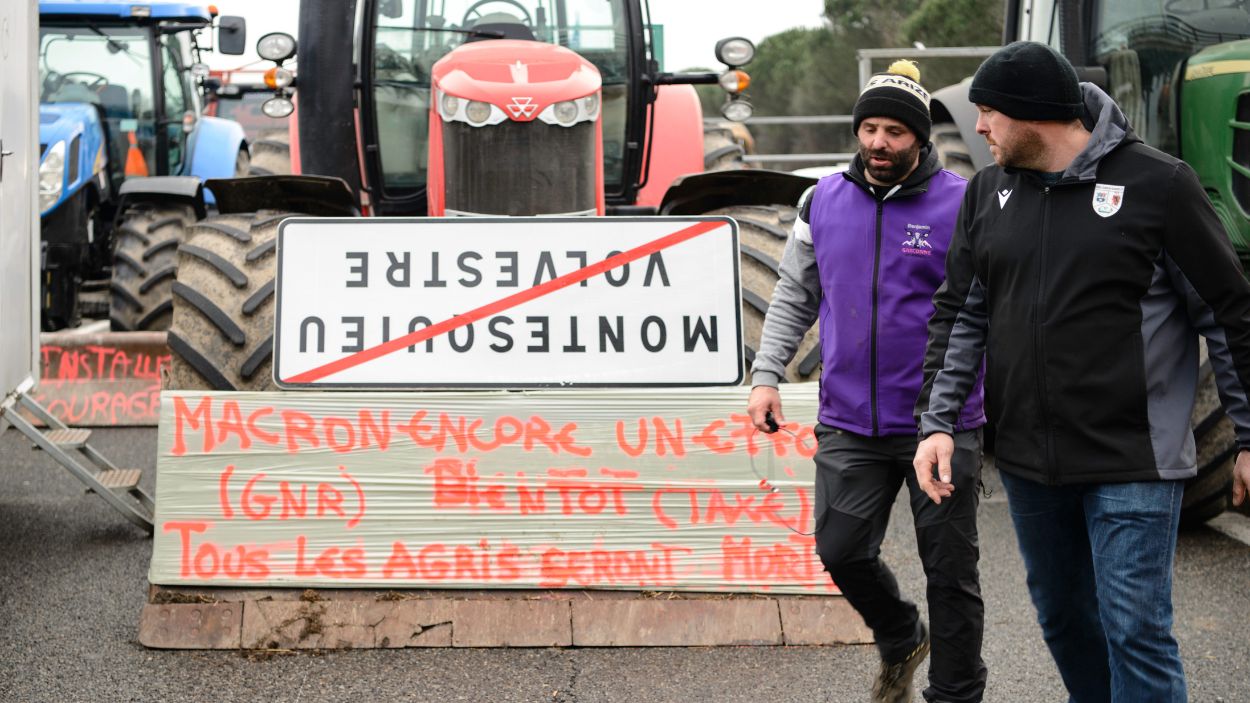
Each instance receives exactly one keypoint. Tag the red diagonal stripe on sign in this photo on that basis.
(502, 304)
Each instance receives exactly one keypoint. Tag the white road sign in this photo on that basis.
(508, 302)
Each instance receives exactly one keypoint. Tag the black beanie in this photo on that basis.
(896, 94)
(1028, 81)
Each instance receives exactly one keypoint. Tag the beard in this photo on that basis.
(1025, 149)
(899, 167)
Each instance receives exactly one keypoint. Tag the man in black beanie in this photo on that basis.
(865, 258)
(1083, 268)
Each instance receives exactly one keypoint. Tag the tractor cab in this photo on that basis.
(119, 107)
(494, 107)
(515, 63)
(137, 66)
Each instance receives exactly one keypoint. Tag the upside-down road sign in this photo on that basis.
(508, 302)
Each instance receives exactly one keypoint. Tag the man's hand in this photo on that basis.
(763, 400)
(1241, 477)
(935, 452)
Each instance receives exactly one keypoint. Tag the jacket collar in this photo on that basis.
(915, 184)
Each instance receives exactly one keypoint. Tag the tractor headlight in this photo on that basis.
(276, 46)
(450, 105)
(571, 112)
(477, 111)
(277, 107)
(565, 112)
(590, 105)
(737, 110)
(735, 51)
(51, 176)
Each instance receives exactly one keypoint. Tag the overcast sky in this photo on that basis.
(691, 27)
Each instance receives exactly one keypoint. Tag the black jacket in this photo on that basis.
(1084, 297)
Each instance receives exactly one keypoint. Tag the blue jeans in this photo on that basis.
(1099, 563)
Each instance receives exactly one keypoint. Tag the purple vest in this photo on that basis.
(880, 264)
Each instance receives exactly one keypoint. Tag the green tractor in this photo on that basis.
(1180, 70)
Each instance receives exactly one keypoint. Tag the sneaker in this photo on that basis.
(893, 684)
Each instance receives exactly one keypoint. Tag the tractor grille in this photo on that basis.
(520, 168)
(1241, 154)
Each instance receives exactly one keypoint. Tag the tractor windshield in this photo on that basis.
(1142, 43)
(413, 34)
(110, 67)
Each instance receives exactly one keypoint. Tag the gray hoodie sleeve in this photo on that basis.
(795, 304)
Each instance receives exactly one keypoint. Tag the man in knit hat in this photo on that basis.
(1083, 267)
(865, 258)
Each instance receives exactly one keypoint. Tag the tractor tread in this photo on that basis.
(165, 307)
(214, 314)
(141, 293)
(258, 298)
(218, 263)
(200, 362)
(266, 248)
(259, 356)
(159, 247)
(162, 274)
(219, 228)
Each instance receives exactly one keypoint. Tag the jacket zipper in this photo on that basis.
(1039, 341)
(872, 349)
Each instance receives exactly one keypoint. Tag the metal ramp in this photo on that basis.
(118, 487)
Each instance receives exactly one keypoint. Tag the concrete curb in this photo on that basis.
(288, 619)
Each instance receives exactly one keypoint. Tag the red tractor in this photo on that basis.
(463, 107)
(239, 95)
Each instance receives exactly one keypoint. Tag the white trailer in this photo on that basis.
(19, 216)
(19, 282)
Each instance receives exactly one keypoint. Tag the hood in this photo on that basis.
(917, 182)
(1109, 129)
(64, 121)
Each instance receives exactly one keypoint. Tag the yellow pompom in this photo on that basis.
(906, 68)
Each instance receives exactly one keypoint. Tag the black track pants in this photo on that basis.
(857, 480)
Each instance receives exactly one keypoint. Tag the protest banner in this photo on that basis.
(638, 489)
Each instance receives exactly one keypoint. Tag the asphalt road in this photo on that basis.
(73, 576)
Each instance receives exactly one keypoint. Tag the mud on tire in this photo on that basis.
(951, 149)
(271, 154)
(762, 234)
(721, 149)
(145, 256)
(222, 332)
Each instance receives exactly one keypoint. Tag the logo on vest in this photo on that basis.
(917, 242)
(1107, 199)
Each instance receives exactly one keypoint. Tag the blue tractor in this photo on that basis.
(124, 152)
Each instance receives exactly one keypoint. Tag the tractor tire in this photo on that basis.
(242, 163)
(145, 256)
(721, 150)
(1209, 493)
(762, 234)
(222, 331)
(951, 149)
(271, 154)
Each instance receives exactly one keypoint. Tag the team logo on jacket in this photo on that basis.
(1107, 199)
(917, 242)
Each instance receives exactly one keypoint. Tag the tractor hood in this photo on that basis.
(64, 121)
(519, 77)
